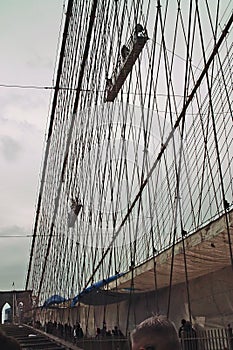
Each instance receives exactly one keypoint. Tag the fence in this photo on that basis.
(214, 339)
(104, 344)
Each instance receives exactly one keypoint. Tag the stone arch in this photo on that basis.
(3, 314)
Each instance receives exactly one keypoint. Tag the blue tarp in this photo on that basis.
(94, 287)
(54, 299)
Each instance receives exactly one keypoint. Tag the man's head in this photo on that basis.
(155, 333)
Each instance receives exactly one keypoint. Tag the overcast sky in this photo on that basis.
(28, 39)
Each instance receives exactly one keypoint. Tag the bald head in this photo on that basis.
(155, 333)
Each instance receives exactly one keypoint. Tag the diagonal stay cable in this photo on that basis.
(209, 86)
(80, 80)
(178, 173)
(59, 72)
(163, 148)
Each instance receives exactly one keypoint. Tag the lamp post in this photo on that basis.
(13, 306)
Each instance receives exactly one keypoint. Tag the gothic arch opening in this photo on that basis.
(6, 313)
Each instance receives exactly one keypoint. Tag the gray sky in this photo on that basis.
(28, 39)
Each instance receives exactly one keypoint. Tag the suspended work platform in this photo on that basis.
(129, 54)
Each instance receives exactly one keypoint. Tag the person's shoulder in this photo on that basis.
(13, 341)
(10, 343)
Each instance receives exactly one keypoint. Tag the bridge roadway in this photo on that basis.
(31, 339)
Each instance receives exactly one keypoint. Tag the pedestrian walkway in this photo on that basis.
(67, 344)
(30, 338)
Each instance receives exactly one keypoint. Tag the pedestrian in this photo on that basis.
(230, 336)
(182, 327)
(189, 337)
(78, 332)
(98, 333)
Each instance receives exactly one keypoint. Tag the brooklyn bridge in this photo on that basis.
(134, 215)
